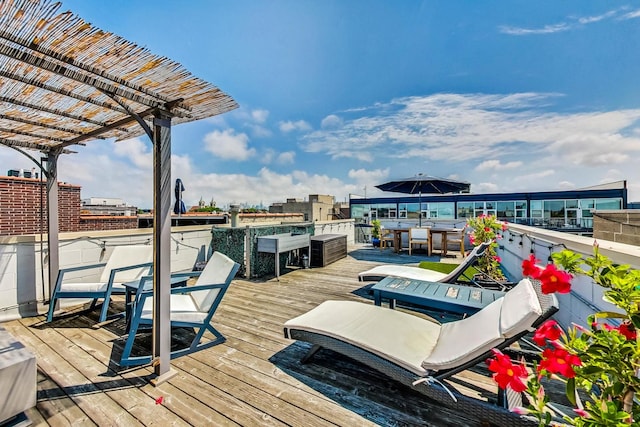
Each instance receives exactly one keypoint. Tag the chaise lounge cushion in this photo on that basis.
(521, 307)
(464, 340)
(400, 337)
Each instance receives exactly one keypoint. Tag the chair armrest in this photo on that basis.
(64, 271)
(189, 289)
(114, 271)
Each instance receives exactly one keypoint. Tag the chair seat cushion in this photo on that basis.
(391, 334)
(183, 309)
(93, 287)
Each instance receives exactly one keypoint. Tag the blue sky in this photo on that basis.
(336, 96)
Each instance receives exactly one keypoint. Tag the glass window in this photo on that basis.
(571, 203)
(410, 210)
(385, 210)
(587, 205)
(554, 209)
(608, 204)
(465, 209)
(506, 210)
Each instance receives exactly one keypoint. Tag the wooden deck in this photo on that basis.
(254, 378)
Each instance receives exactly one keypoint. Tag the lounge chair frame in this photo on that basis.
(452, 277)
(432, 386)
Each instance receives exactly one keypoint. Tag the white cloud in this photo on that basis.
(331, 122)
(547, 29)
(485, 187)
(496, 165)
(467, 127)
(631, 15)
(299, 125)
(227, 144)
(288, 157)
(136, 151)
(258, 131)
(573, 23)
(368, 176)
(260, 115)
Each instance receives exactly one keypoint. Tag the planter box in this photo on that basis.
(328, 248)
(17, 377)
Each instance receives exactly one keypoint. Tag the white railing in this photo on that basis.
(23, 265)
(585, 298)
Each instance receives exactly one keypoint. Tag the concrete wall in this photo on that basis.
(23, 269)
(345, 226)
(617, 226)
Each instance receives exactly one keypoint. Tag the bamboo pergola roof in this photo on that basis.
(64, 82)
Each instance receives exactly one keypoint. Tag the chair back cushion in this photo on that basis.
(220, 269)
(462, 341)
(520, 309)
(419, 233)
(123, 256)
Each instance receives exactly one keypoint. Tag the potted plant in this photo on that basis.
(598, 364)
(375, 233)
(486, 228)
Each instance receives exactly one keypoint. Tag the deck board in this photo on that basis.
(254, 378)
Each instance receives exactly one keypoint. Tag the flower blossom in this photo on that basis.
(628, 331)
(506, 373)
(497, 258)
(549, 330)
(581, 413)
(554, 280)
(504, 226)
(529, 267)
(559, 361)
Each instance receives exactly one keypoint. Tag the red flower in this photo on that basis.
(504, 226)
(506, 373)
(472, 239)
(497, 258)
(487, 229)
(548, 331)
(529, 267)
(628, 331)
(559, 361)
(554, 280)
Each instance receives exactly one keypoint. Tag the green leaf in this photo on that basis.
(587, 370)
(571, 390)
(610, 315)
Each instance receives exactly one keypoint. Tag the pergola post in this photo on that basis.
(53, 226)
(162, 247)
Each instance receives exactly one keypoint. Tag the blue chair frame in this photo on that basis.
(205, 325)
(95, 295)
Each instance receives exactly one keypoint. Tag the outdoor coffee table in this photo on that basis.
(459, 299)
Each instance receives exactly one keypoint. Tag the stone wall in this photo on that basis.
(617, 226)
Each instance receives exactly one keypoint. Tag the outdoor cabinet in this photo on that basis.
(328, 248)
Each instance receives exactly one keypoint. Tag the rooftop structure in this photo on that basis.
(569, 210)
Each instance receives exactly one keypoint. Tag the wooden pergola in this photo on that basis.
(64, 83)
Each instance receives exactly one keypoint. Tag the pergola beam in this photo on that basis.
(75, 74)
(41, 124)
(28, 44)
(32, 135)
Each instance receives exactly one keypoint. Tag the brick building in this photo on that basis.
(23, 209)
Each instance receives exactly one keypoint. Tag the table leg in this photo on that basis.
(430, 244)
(392, 303)
(377, 299)
(444, 243)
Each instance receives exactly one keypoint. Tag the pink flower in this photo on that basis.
(520, 410)
(497, 258)
(581, 413)
(504, 226)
